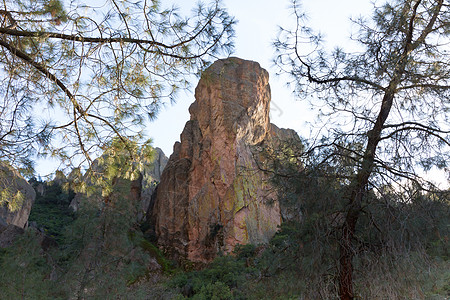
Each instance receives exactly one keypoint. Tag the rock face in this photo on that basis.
(11, 180)
(158, 165)
(150, 179)
(139, 191)
(212, 195)
(8, 234)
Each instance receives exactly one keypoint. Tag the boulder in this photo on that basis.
(212, 194)
(9, 234)
(14, 184)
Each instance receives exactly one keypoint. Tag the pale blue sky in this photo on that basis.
(257, 26)
(258, 22)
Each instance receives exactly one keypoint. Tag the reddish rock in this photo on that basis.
(212, 196)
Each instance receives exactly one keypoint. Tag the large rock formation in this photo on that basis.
(212, 195)
(138, 191)
(16, 187)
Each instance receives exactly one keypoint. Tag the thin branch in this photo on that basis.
(115, 131)
(416, 129)
(429, 28)
(77, 107)
(41, 68)
(314, 79)
(416, 124)
(82, 39)
(424, 85)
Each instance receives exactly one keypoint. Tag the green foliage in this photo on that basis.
(104, 252)
(12, 199)
(222, 279)
(98, 257)
(50, 210)
(153, 251)
(10, 195)
(214, 291)
(394, 91)
(25, 271)
(401, 248)
(104, 72)
(121, 159)
(56, 10)
(101, 250)
(398, 237)
(52, 218)
(402, 221)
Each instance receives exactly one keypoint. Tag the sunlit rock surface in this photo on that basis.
(212, 195)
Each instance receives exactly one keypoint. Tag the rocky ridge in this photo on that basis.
(138, 191)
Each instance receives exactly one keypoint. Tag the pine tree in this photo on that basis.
(96, 71)
(387, 105)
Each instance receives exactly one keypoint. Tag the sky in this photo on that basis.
(257, 27)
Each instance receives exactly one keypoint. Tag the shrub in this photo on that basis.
(25, 271)
(224, 277)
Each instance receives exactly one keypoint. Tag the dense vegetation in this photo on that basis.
(401, 250)
(51, 210)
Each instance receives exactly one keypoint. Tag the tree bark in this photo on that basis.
(345, 261)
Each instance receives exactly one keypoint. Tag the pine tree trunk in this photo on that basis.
(345, 260)
(358, 187)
